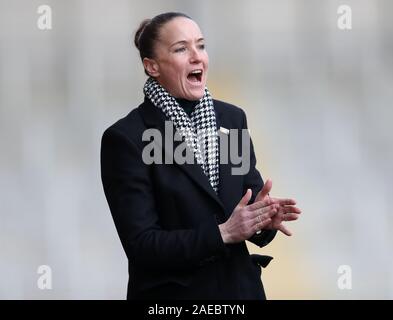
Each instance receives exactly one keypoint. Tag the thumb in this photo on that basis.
(246, 198)
(284, 230)
(265, 190)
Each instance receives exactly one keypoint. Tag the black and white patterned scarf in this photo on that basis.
(199, 129)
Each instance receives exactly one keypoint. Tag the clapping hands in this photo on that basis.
(265, 213)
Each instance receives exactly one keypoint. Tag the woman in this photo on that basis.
(183, 224)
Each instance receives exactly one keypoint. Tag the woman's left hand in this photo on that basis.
(286, 211)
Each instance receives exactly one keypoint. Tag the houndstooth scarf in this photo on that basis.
(199, 130)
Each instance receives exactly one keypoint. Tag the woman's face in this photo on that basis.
(181, 61)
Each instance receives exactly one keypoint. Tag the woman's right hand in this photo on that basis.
(246, 220)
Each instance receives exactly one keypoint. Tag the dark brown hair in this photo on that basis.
(148, 33)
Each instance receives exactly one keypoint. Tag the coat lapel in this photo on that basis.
(154, 118)
(226, 184)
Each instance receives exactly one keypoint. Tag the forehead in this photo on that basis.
(179, 29)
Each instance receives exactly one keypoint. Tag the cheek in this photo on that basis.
(178, 71)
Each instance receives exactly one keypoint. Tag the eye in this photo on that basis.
(202, 46)
(181, 49)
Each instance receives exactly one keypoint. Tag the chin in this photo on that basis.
(195, 95)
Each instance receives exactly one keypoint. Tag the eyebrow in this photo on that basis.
(184, 42)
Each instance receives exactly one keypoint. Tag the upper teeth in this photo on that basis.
(196, 71)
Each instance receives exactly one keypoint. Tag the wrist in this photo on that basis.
(224, 233)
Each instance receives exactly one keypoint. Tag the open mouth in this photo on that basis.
(195, 76)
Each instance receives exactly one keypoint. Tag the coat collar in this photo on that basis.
(154, 118)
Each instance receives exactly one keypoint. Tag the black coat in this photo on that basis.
(167, 215)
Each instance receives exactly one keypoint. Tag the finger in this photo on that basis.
(265, 190)
(290, 217)
(246, 198)
(284, 230)
(290, 209)
(261, 219)
(270, 214)
(266, 211)
(284, 201)
(262, 225)
(258, 197)
(260, 204)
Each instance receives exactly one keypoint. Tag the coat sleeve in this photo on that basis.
(254, 181)
(129, 192)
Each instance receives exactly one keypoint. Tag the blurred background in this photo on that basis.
(318, 101)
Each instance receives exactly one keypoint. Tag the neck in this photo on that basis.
(187, 105)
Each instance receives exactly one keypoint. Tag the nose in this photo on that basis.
(195, 55)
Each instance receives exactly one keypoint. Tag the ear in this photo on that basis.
(151, 66)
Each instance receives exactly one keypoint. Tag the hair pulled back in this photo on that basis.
(148, 33)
